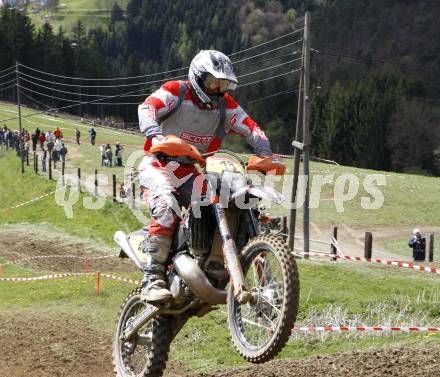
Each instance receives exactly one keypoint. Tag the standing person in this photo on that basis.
(37, 133)
(63, 153)
(56, 151)
(50, 145)
(118, 154)
(17, 141)
(201, 112)
(108, 155)
(34, 139)
(11, 137)
(418, 244)
(43, 160)
(57, 133)
(42, 139)
(6, 136)
(49, 136)
(1, 136)
(78, 135)
(92, 133)
(102, 150)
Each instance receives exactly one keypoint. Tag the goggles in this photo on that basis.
(220, 85)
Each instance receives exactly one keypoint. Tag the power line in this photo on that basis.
(268, 52)
(6, 69)
(157, 73)
(287, 91)
(8, 82)
(264, 43)
(296, 52)
(80, 102)
(8, 87)
(33, 99)
(269, 78)
(103, 79)
(70, 106)
(100, 86)
(272, 67)
(376, 60)
(71, 93)
(7, 74)
(147, 82)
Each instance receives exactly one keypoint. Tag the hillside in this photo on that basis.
(358, 294)
(373, 78)
(409, 200)
(92, 13)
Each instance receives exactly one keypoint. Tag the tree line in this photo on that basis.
(363, 114)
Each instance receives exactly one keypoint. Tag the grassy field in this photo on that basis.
(408, 200)
(92, 13)
(331, 293)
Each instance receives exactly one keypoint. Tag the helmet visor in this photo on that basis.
(219, 85)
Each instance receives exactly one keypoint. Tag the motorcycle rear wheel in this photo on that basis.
(260, 328)
(147, 353)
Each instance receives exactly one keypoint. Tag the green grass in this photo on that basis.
(331, 293)
(92, 13)
(408, 199)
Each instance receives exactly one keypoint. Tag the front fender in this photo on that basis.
(262, 192)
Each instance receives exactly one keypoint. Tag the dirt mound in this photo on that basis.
(43, 347)
(382, 362)
(16, 246)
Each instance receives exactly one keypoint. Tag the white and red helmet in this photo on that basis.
(211, 71)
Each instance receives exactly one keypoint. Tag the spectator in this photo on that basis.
(418, 244)
(50, 144)
(6, 136)
(1, 136)
(78, 135)
(102, 150)
(17, 139)
(56, 152)
(49, 136)
(92, 133)
(37, 133)
(43, 160)
(11, 139)
(42, 139)
(63, 153)
(58, 134)
(108, 156)
(118, 154)
(122, 193)
(34, 139)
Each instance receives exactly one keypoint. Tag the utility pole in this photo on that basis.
(297, 157)
(306, 131)
(19, 116)
(302, 132)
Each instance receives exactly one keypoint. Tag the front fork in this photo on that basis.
(232, 260)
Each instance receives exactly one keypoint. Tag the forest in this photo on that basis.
(374, 69)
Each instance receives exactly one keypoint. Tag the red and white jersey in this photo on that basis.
(196, 125)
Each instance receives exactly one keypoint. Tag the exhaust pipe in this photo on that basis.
(121, 239)
(197, 281)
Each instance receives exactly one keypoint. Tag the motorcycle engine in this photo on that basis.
(181, 293)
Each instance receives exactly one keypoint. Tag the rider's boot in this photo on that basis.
(154, 288)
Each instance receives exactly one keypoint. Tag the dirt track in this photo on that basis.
(32, 345)
(16, 245)
(64, 347)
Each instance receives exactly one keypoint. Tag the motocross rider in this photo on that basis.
(201, 112)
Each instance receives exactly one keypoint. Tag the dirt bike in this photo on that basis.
(217, 257)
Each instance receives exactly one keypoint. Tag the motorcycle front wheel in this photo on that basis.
(146, 354)
(261, 327)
